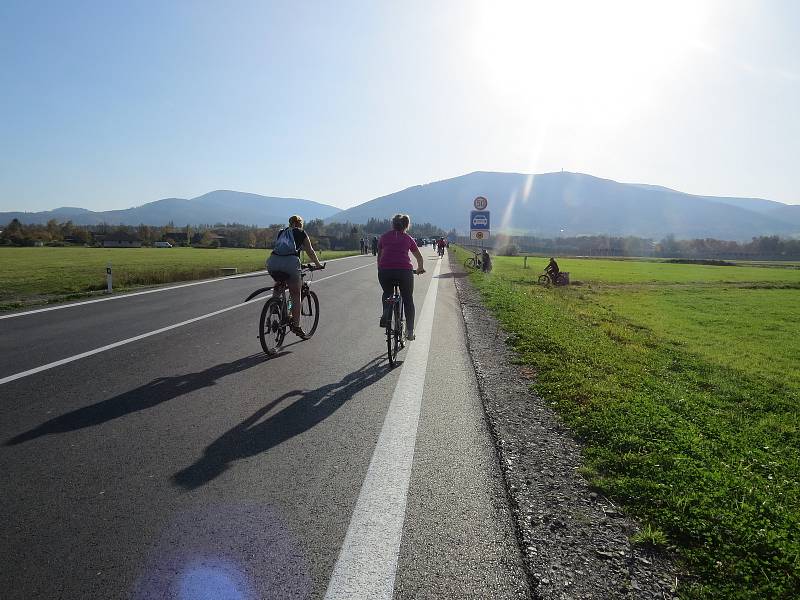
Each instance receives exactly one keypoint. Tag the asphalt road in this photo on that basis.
(184, 464)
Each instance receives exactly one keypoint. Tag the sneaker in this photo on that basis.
(298, 331)
(410, 335)
(384, 321)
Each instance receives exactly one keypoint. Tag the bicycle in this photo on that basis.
(474, 262)
(546, 280)
(277, 311)
(440, 250)
(395, 333)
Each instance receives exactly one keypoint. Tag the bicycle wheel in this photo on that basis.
(309, 312)
(544, 280)
(271, 327)
(390, 349)
(400, 319)
(469, 263)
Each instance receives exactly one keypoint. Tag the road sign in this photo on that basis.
(479, 234)
(479, 219)
(480, 203)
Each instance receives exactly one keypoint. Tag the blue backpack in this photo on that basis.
(284, 244)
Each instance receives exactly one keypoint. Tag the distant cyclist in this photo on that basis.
(440, 245)
(394, 264)
(552, 270)
(284, 264)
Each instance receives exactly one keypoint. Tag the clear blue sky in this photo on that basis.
(114, 104)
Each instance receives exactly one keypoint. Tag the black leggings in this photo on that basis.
(405, 277)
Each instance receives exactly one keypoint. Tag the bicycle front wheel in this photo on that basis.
(544, 280)
(309, 312)
(271, 327)
(469, 263)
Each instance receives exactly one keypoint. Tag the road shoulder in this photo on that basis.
(576, 543)
(458, 537)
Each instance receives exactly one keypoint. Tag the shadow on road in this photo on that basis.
(452, 275)
(253, 436)
(143, 397)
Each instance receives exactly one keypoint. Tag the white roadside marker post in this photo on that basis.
(109, 283)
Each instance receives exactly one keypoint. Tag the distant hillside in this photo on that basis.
(550, 205)
(569, 204)
(221, 206)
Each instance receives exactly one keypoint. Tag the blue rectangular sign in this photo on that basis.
(479, 219)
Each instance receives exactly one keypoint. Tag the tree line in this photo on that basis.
(326, 236)
(764, 247)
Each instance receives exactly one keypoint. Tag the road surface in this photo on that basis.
(148, 449)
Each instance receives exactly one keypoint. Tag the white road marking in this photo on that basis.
(153, 291)
(70, 359)
(367, 563)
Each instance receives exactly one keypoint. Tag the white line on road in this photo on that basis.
(132, 294)
(70, 359)
(367, 564)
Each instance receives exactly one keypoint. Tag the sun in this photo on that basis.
(596, 59)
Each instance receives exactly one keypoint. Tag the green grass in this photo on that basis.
(35, 275)
(682, 383)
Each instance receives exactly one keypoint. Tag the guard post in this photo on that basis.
(109, 282)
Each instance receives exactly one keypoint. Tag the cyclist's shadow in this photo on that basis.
(253, 436)
(149, 395)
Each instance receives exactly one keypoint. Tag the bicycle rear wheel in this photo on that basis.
(309, 312)
(469, 263)
(544, 280)
(271, 326)
(394, 332)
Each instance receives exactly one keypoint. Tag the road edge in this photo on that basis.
(560, 523)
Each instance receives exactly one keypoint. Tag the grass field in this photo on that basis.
(35, 275)
(682, 383)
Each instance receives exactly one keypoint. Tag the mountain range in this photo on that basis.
(220, 206)
(548, 204)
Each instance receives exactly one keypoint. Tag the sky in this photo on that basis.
(107, 105)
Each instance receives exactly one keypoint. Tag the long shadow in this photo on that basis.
(253, 436)
(143, 397)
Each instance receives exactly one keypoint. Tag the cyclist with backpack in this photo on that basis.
(394, 264)
(284, 264)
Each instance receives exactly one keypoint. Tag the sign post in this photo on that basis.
(109, 283)
(479, 223)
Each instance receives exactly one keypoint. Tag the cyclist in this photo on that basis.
(552, 270)
(394, 264)
(284, 264)
(440, 244)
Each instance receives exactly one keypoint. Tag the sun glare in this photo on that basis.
(599, 60)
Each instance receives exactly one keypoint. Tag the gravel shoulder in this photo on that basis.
(575, 542)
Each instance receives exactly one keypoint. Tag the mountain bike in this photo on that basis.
(276, 315)
(395, 332)
(395, 336)
(547, 280)
(474, 262)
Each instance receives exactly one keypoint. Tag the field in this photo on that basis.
(35, 275)
(682, 383)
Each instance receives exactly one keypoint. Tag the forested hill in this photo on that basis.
(574, 204)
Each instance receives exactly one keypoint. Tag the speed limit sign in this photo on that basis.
(480, 203)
